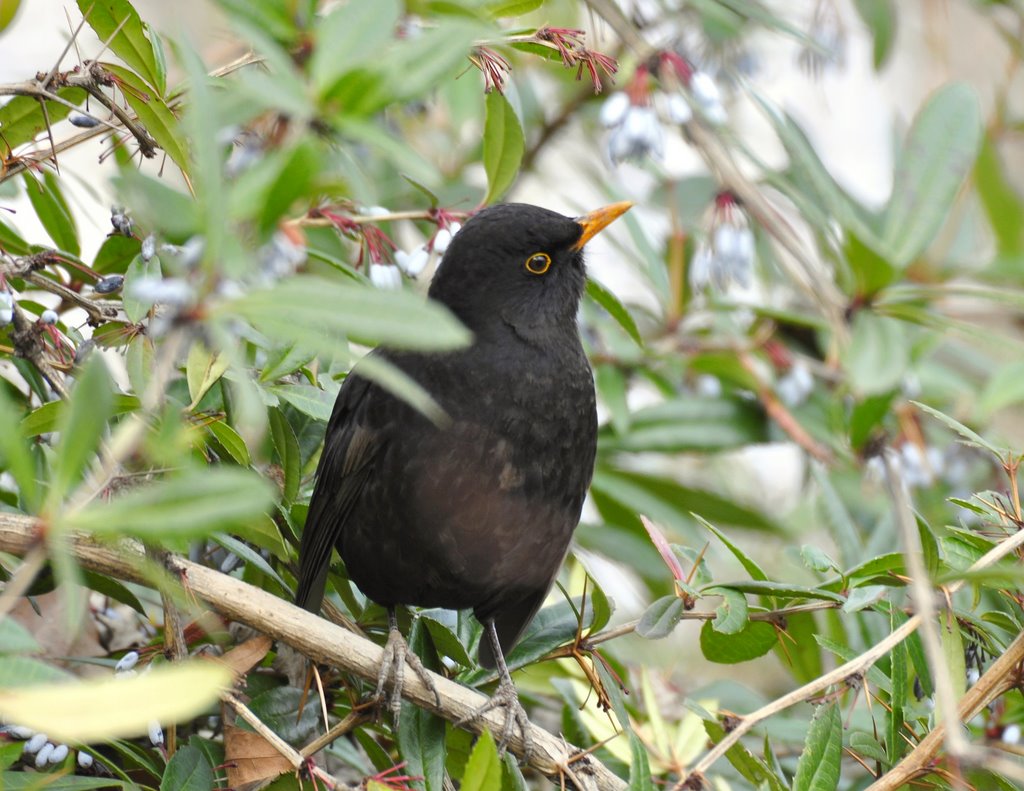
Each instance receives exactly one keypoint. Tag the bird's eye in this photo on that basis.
(538, 263)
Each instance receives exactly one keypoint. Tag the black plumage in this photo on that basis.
(477, 511)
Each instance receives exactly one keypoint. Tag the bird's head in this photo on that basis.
(518, 264)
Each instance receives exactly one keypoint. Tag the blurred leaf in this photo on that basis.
(753, 769)
(45, 419)
(187, 505)
(748, 563)
(819, 764)
(52, 210)
(29, 781)
(939, 153)
(1004, 388)
(1002, 203)
(877, 355)
(607, 300)
(731, 614)
(503, 149)
(755, 639)
(670, 503)
(154, 114)
(611, 389)
(8, 10)
(896, 745)
(867, 415)
(16, 639)
(640, 765)
(660, 618)
(22, 118)
(389, 376)
(188, 770)
(23, 671)
(320, 314)
(483, 770)
(350, 36)
(108, 707)
(817, 559)
(10, 241)
(416, 65)
(691, 423)
(871, 271)
(81, 427)
(504, 8)
(266, 190)
(283, 710)
(129, 42)
(880, 18)
(799, 651)
(112, 589)
(158, 207)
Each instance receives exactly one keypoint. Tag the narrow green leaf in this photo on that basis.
(320, 314)
(231, 441)
(607, 300)
(754, 769)
(483, 769)
(640, 766)
(15, 455)
(755, 639)
(130, 42)
(45, 418)
(939, 153)
(819, 764)
(192, 504)
(24, 671)
(287, 446)
(895, 744)
(53, 212)
(421, 735)
(81, 427)
(747, 562)
(498, 9)
(202, 370)
(309, 400)
(503, 146)
(877, 356)
(188, 770)
(1004, 388)
(16, 639)
(154, 114)
(784, 590)
(972, 437)
(880, 18)
(8, 10)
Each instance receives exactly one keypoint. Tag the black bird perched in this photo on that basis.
(477, 512)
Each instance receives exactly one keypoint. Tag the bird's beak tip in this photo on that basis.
(599, 219)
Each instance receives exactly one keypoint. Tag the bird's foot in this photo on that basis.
(397, 655)
(506, 697)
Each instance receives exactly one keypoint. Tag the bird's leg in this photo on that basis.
(506, 697)
(397, 655)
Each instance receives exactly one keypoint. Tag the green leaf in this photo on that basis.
(496, 9)
(312, 401)
(1004, 388)
(660, 618)
(193, 504)
(16, 639)
(1002, 203)
(112, 589)
(154, 114)
(158, 207)
(748, 563)
(8, 10)
(754, 769)
(421, 740)
(670, 503)
(320, 315)
(393, 378)
(46, 418)
(755, 639)
(503, 146)
(607, 300)
(188, 770)
(819, 764)
(53, 212)
(895, 744)
(880, 18)
(23, 671)
(287, 446)
(29, 781)
(266, 190)
(15, 455)
(784, 590)
(130, 42)
(731, 614)
(939, 153)
(81, 427)
(351, 36)
(444, 638)
(202, 371)
(640, 766)
(687, 424)
(816, 559)
(483, 770)
(106, 708)
(231, 441)
(970, 436)
(877, 356)
(22, 118)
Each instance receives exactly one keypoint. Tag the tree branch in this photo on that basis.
(318, 639)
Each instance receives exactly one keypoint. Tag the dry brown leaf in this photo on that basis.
(243, 658)
(250, 758)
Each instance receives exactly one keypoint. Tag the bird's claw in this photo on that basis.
(397, 655)
(506, 697)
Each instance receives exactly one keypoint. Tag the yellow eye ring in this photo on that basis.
(538, 263)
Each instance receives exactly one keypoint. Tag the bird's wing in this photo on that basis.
(349, 449)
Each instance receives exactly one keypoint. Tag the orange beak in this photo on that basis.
(597, 220)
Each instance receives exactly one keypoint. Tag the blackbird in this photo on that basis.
(477, 510)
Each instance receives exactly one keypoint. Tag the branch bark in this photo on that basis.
(319, 640)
